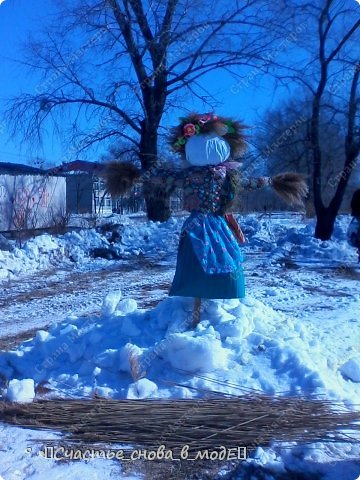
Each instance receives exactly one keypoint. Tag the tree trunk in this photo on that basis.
(325, 223)
(157, 199)
(157, 202)
(326, 216)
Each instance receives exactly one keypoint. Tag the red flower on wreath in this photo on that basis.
(189, 130)
(204, 119)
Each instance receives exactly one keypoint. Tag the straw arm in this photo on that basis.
(120, 177)
(255, 183)
(289, 186)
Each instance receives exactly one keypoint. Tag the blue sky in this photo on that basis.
(18, 18)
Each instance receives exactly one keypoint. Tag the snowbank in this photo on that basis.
(283, 237)
(275, 237)
(264, 234)
(237, 346)
(48, 251)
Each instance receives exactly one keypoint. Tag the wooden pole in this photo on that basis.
(196, 312)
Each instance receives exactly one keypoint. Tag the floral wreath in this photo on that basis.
(196, 124)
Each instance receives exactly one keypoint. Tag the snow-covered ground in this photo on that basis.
(278, 235)
(114, 331)
(46, 252)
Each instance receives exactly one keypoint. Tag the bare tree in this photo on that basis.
(115, 67)
(326, 215)
(282, 139)
(58, 219)
(329, 71)
(23, 212)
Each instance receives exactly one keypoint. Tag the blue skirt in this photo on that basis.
(191, 280)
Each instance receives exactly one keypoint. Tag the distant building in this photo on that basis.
(30, 198)
(132, 202)
(85, 189)
(86, 192)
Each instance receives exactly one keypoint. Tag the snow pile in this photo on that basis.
(132, 353)
(316, 461)
(299, 244)
(47, 251)
(285, 236)
(77, 245)
(21, 390)
(239, 346)
(5, 244)
(153, 238)
(351, 369)
(260, 232)
(275, 237)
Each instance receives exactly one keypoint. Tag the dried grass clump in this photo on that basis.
(249, 420)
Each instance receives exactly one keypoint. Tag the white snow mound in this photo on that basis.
(351, 369)
(131, 353)
(21, 390)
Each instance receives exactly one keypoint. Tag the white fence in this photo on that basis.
(31, 201)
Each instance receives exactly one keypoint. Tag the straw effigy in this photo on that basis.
(249, 420)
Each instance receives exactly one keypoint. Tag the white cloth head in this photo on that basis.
(206, 149)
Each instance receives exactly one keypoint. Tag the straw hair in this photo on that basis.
(291, 187)
(235, 137)
(249, 420)
(120, 177)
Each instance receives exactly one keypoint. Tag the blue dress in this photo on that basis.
(209, 259)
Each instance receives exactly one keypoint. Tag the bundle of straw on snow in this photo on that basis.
(247, 421)
(291, 187)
